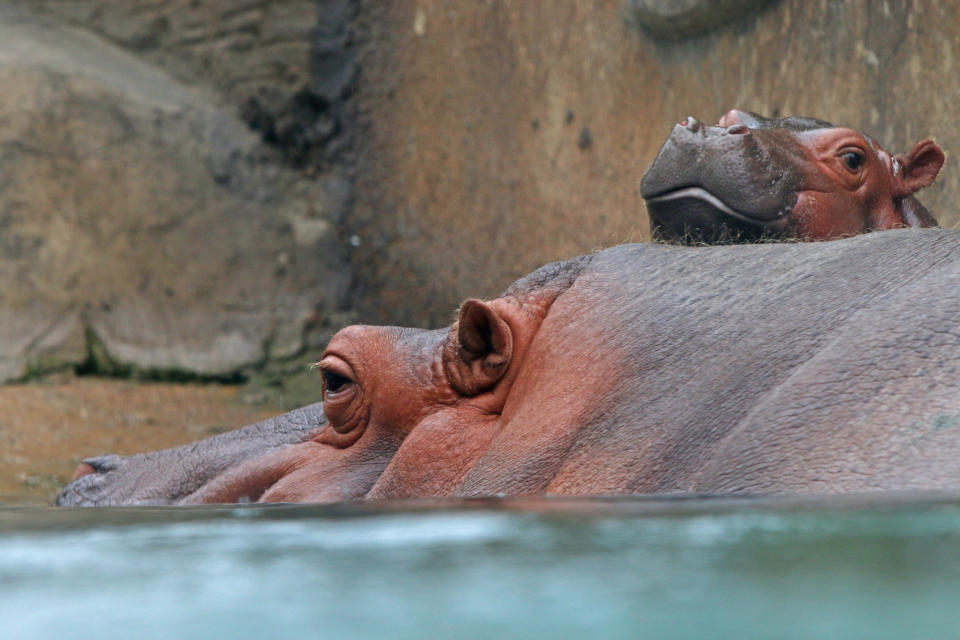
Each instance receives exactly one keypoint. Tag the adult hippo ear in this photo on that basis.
(480, 353)
(911, 172)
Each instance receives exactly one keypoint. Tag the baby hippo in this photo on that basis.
(750, 177)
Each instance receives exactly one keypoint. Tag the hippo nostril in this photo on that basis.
(691, 123)
(738, 129)
(101, 464)
(83, 469)
(731, 117)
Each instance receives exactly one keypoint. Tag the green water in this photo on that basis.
(642, 568)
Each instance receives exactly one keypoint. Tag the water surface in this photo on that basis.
(548, 568)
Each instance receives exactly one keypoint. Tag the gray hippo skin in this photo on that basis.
(798, 368)
(171, 475)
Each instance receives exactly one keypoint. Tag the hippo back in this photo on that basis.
(778, 367)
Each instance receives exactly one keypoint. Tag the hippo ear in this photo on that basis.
(484, 346)
(919, 168)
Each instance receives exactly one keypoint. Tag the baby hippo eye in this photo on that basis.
(853, 160)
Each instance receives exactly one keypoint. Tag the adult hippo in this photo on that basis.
(801, 367)
(751, 177)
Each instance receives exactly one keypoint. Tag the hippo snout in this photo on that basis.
(721, 160)
(708, 180)
(693, 125)
(88, 487)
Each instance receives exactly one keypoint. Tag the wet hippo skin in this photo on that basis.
(799, 368)
(750, 177)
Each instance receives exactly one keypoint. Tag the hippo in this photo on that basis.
(751, 177)
(645, 368)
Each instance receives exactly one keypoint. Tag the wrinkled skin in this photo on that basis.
(751, 177)
(803, 367)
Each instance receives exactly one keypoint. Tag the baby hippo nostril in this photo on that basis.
(691, 123)
(738, 129)
(731, 117)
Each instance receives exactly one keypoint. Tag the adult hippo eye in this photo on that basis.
(334, 382)
(853, 160)
(337, 375)
(342, 401)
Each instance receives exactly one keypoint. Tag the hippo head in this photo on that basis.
(405, 412)
(391, 397)
(751, 177)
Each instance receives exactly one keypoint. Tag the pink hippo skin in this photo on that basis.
(799, 367)
(751, 177)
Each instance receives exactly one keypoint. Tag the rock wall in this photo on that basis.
(146, 225)
(500, 135)
(204, 187)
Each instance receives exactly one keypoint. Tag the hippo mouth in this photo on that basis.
(693, 214)
(721, 184)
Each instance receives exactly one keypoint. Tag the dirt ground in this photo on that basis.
(47, 427)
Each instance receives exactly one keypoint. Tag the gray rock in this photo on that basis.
(239, 47)
(137, 211)
(287, 66)
(676, 19)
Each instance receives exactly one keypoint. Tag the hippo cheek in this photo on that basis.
(438, 454)
(827, 215)
(329, 475)
(324, 483)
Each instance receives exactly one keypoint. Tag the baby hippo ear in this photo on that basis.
(919, 168)
(480, 354)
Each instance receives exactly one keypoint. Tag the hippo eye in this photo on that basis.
(343, 403)
(334, 382)
(853, 160)
(337, 375)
